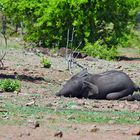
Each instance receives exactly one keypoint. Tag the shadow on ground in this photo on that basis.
(22, 77)
(125, 58)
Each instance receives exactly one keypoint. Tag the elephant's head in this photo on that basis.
(72, 88)
(78, 88)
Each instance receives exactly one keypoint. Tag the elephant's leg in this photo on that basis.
(131, 97)
(117, 95)
(128, 98)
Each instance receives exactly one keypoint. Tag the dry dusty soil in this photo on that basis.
(38, 90)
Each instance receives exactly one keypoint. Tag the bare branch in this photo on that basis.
(67, 44)
(70, 57)
(5, 39)
(79, 65)
(3, 32)
(1, 59)
(1, 63)
(76, 49)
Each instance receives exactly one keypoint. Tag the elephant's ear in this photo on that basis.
(93, 89)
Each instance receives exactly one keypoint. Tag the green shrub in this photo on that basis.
(132, 40)
(10, 85)
(45, 62)
(100, 51)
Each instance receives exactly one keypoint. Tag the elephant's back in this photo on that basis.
(112, 81)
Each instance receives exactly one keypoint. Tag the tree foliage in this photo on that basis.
(46, 22)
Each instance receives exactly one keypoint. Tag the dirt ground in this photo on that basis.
(74, 132)
(26, 65)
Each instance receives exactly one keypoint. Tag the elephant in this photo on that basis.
(110, 85)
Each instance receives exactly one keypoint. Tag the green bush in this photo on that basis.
(45, 62)
(100, 51)
(132, 40)
(10, 85)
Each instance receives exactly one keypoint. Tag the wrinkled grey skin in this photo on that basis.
(111, 85)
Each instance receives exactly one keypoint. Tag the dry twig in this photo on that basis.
(1, 62)
(3, 32)
(70, 57)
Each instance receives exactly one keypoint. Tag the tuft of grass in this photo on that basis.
(45, 62)
(10, 85)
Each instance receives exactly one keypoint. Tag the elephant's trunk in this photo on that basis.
(58, 94)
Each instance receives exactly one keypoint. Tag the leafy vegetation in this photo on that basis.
(47, 22)
(10, 85)
(45, 62)
(100, 51)
(134, 40)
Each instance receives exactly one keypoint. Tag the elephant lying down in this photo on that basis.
(110, 85)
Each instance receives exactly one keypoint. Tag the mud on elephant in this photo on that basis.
(110, 85)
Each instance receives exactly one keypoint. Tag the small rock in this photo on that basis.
(49, 105)
(94, 129)
(33, 124)
(25, 69)
(81, 102)
(138, 119)
(61, 70)
(24, 134)
(118, 67)
(30, 103)
(76, 107)
(121, 106)
(15, 73)
(59, 134)
(95, 106)
(75, 128)
(31, 72)
(16, 92)
(116, 108)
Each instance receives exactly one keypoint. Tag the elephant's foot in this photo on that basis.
(131, 97)
(128, 98)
